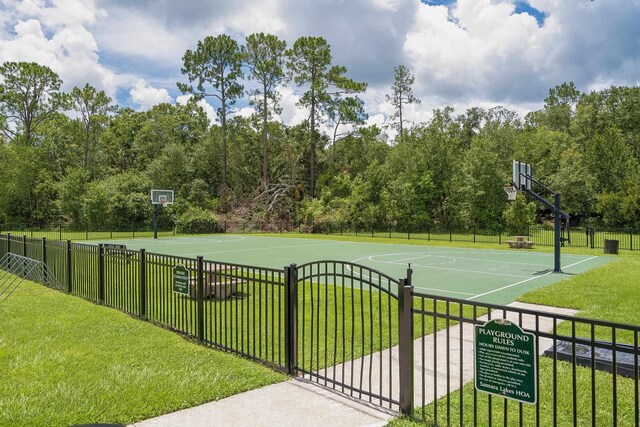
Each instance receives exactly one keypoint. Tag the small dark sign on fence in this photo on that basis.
(181, 279)
(506, 361)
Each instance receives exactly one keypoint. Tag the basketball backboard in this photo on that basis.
(162, 197)
(522, 174)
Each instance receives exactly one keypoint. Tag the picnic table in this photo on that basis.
(220, 281)
(520, 242)
(114, 250)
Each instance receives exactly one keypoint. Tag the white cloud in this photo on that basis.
(388, 5)
(481, 49)
(208, 108)
(292, 114)
(136, 34)
(54, 34)
(245, 112)
(474, 52)
(147, 96)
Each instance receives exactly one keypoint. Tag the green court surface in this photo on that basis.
(496, 276)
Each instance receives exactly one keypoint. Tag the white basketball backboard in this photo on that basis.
(522, 174)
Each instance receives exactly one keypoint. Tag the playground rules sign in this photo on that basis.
(180, 280)
(506, 361)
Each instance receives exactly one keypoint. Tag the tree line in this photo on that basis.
(79, 159)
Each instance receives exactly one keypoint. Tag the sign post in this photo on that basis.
(506, 361)
(181, 279)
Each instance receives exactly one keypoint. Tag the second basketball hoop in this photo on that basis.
(511, 191)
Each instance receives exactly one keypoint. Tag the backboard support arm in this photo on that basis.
(558, 214)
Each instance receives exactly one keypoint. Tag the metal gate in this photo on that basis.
(346, 327)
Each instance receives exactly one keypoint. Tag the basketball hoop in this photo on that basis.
(511, 191)
(164, 203)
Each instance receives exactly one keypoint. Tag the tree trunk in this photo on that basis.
(223, 174)
(86, 146)
(312, 154)
(265, 140)
(401, 128)
(27, 132)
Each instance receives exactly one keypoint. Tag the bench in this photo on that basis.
(220, 281)
(114, 248)
(520, 242)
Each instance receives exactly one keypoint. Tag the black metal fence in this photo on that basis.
(584, 237)
(347, 328)
(75, 233)
(574, 375)
(229, 306)
(358, 331)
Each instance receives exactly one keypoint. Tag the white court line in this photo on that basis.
(445, 255)
(459, 270)
(269, 248)
(528, 280)
(444, 290)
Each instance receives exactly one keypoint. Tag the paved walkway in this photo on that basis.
(299, 402)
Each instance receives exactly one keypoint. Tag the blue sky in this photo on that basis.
(462, 52)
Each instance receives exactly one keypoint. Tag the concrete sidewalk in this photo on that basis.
(296, 402)
(300, 402)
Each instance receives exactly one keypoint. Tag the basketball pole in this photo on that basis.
(155, 221)
(558, 214)
(556, 232)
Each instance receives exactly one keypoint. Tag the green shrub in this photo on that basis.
(198, 221)
(519, 215)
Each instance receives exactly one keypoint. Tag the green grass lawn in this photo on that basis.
(66, 361)
(609, 292)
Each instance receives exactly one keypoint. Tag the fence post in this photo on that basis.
(405, 344)
(142, 283)
(474, 233)
(630, 240)
(450, 234)
(586, 237)
(24, 254)
(44, 259)
(69, 281)
(60, 232)
(101, 273)
(291, 303)
(200, 299)
(8, 251)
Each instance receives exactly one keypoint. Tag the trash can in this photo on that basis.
(611, 246)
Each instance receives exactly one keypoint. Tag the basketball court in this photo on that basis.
(496, 276)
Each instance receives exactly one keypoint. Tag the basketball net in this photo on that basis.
(165, 203)
(511, 192)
